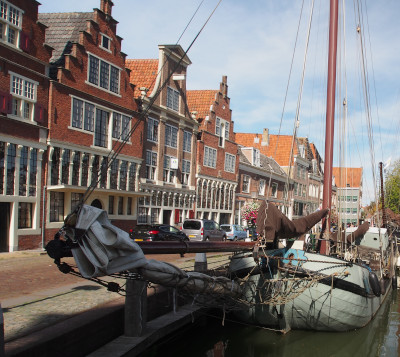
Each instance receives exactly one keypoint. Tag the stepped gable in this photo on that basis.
(351, 176)
(200, 101)
(143, 74)
(63, 29)
(280, 153)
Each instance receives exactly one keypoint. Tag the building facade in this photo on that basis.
(167, 176)
(24, 86)
(217, 154)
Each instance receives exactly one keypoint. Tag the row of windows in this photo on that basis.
(120, 175)
(57, 203)
(26, 169)
(89, 117)
(299, 189)
(103, 74)
(348, 198)
(212, 197)
(349, 210)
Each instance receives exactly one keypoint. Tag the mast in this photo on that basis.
(330, 118)
(384, 219)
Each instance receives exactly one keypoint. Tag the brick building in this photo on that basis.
(260, 178)
(24, 88)
(168, 173)
(90, 116)
(217, 154)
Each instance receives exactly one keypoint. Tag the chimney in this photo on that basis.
(265, 137)
(223, 88)
(106, 6)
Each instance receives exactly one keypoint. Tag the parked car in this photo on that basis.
(203, 230)
(157, 232)
(234, 231)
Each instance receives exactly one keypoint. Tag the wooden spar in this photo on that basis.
(330, 119)
(384, 219)
(193, 247)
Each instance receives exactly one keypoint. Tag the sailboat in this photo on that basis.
(277, 287)
(289, 288)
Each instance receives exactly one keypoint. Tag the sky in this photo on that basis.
(255, 44)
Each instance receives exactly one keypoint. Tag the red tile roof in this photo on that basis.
(200, 101)
(279, 146)
(344, 176)
(143, 74)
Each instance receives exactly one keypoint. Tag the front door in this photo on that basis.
(4, 226)
(167, 216)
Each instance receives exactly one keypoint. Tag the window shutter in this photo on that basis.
(177, 213)
(191, 214)
(4, 102)
(40, 114)
(24, 42)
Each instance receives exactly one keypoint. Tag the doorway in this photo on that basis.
(167, 216)
(4, 226)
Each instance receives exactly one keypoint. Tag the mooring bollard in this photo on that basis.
(2, 347)
(135, 307)
(200, 262)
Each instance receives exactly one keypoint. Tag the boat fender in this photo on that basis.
(394, 282)
(374, 282)
(383, 288)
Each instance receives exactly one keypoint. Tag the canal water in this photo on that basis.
(208, 338)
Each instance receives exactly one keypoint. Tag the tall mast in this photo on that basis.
(330, 117)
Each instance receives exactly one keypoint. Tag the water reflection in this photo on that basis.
(378, 338)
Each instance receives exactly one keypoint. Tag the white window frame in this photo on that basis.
(24, 93)
(185, 172)
(171, 136)
(169, 174)
(221, 130)
(256, 157)
(187, 141)
(261, 187)
(152, 129)
(14, 25)
(121, 126)
(246, 184)
(210, 157)
(173, 102)
(102, 35)
(151, 167)
(230, 162)
(274, 190)
(96, 83)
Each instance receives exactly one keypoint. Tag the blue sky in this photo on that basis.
(252, 42)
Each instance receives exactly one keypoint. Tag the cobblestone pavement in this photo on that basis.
(35, 294)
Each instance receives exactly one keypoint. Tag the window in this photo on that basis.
(56, 206)
(23, 171)
(210, 157)
(187, 141)
(85, 170)
(100, 133)
(185, 171)
(129, 206)
(33, 172)
(142, 215)
(261, 187)
(114, 174)
(230, 162)
(151, 164)
(152, 129)
(111, 205)
(171, 136)
(222, 131)
(24, 215)
(123, 171)
(11, 155)
(10, 24)
(132, 176)
(274, 190)
(355, 198)
(169, 172)
(23, 91)
(256, 157)
(76, 198)
(246, 183)
(105, 42)
(120, 205)
(172, 99)
(75, 168)
(65, 166)
(155, 213)
(103, 74)
(121, 126)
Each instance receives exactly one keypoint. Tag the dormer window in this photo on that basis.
(172, 99)
(105, 42)
(256, 157)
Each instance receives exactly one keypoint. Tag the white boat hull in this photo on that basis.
(321, 307)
